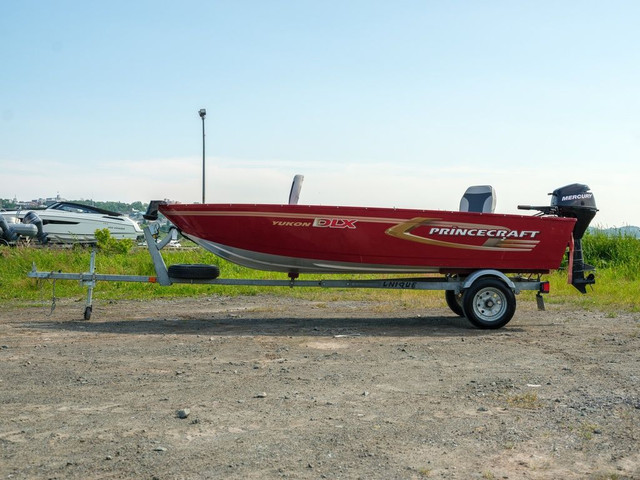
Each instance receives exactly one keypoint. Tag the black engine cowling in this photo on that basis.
(31, 218)
(576, 201)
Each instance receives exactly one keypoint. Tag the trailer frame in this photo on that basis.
(492, 305)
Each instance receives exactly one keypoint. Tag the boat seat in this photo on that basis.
(479, 198)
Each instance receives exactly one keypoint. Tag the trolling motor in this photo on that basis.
(573, 201)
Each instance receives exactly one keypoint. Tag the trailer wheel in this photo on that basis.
(196, 271)
(87, 313)
(489, 303)
(454, 302)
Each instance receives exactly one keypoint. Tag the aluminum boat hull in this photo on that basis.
(336, 239)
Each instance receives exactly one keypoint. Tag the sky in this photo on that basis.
(377, 103)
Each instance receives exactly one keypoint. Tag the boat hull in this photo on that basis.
(333, 239)
(68, 227)
(81, 228)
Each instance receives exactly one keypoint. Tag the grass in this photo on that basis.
(587, 430)
(17, 262)
(617, 260)
(612, 292)
(607, 476)
(527, 401)
(619, 252)
(424, 472)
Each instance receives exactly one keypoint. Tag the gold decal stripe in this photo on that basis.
(403, 232)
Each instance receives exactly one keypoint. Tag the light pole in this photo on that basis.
(202, 113)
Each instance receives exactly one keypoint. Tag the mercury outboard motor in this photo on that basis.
(31, 218)
(577, 201)
(574, 201)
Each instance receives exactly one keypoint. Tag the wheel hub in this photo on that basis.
(489, 304)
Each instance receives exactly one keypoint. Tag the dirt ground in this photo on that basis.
(273, 387)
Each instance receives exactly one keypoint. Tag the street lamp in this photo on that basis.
(202, 113)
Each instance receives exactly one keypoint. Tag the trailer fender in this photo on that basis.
(489, 273)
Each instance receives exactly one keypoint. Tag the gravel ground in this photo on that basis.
(270, 387)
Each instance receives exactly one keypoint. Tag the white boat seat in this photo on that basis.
(479, 198)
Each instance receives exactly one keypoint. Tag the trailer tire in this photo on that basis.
(454, 302)
(87, 313)
(489, 303)
(196, 271)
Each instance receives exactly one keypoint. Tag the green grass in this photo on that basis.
(17, 262)
(617, 260)
(527, 401)
(612, 291)
(620, 253)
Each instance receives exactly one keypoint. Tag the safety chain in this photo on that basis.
(53, 296)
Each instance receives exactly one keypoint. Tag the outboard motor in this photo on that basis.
(31, 218)
(574, 201)
(31, 226)
(152, 210)
(6, 232)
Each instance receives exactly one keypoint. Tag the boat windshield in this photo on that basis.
(80, 208)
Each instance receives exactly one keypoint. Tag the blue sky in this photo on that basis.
(402, 103)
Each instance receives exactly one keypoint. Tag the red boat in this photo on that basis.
(474, 248)
(333, 239)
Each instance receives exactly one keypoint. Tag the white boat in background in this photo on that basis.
(68, 222)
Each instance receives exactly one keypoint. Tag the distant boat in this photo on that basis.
(69, 222)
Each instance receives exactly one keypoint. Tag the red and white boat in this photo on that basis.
(335, 239)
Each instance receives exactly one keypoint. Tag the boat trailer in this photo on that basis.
(485, 297)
